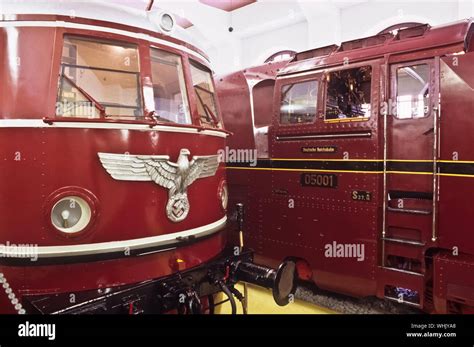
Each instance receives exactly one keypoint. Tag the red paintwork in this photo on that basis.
(321, 215)
(49, 17)
(54, 159)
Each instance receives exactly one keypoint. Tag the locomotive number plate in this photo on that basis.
(318, 180)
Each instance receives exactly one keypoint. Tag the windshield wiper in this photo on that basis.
(206, 108)
(97, 104)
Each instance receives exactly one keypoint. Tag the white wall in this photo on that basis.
(259, 47)
(267, 26)
(370, 18)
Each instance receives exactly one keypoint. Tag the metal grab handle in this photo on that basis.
(435, 172)
(240, 221)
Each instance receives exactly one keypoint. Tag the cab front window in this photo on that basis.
(205, 95)
(169, 88)
(99, 79)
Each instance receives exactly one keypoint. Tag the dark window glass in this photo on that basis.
(348, 93)
(298, 102)
(98, 79)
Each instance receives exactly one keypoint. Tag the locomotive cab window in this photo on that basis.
(205, 95)
(298, 102)
(348, 94)
(169, 88)
(99, 79)
(413, 91)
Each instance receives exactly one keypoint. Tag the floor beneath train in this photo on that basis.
(312, 300)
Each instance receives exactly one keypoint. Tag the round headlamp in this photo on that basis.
(166, 21)
(71, 214)
(224, 195)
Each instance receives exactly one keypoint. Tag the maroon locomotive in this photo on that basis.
(112, 198)
(364, 164)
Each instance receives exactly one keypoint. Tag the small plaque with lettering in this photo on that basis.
(318, 180)
(361, 195)
(319, 149)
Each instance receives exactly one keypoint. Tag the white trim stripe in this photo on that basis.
(62, 24)
(39, 123)
(121, 246)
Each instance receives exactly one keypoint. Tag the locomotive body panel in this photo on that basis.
(68, 157)
(75, 278)
(355, 160)
(109, 165)
(456, 152)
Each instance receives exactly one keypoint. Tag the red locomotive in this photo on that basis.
(112, 195)
(365, 169)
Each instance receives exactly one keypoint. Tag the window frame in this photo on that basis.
(325, 94)
(198, 65)
(318, 82)
(283, 81)
(145, 78)
(184, 62)
(394, 87)
(257, 120)
(110, 40)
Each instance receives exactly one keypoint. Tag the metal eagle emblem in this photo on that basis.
(176, 177)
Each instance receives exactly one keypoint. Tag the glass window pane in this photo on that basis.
(100, 54)
(99, 75)
(348, 93)
(413, 91)
(169, 88)
(204, 89)
(298, 102)
(73, 103)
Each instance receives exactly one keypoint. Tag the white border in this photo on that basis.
(39, 123)
(123, 246)
(62, 24)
